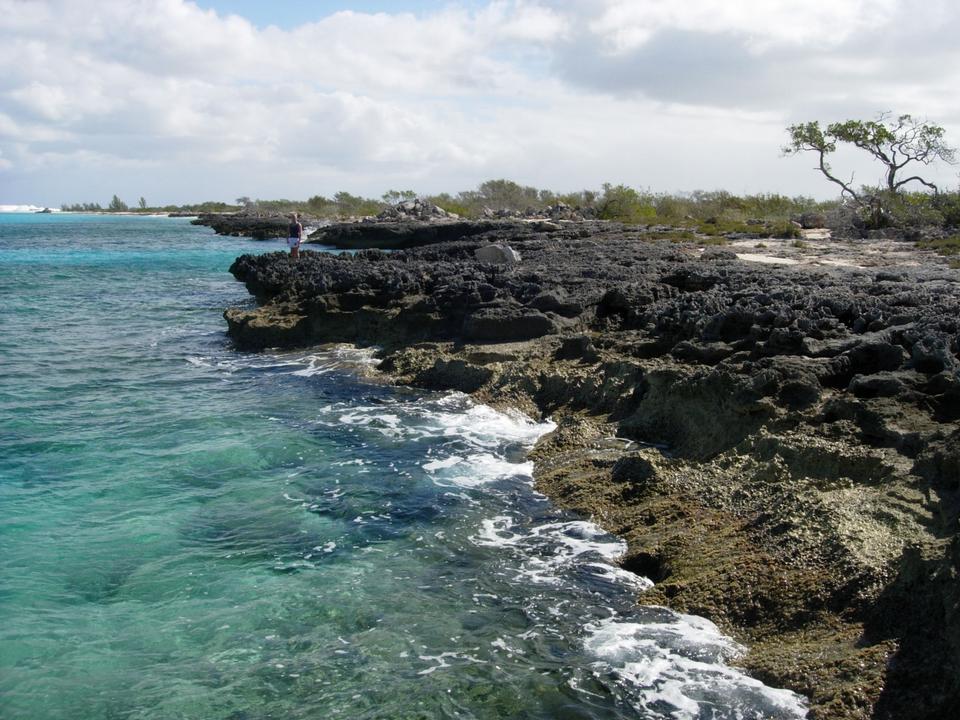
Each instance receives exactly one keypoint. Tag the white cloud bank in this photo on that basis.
(163, 99)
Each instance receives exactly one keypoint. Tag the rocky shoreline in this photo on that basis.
(777, 440)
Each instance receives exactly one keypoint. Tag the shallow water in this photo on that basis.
(193, 532)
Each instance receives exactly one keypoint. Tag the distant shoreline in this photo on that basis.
(100, 212)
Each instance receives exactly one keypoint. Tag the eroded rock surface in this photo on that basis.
(245, 225)
(402, 233)
(780, 445)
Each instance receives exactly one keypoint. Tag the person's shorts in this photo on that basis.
(293, 242)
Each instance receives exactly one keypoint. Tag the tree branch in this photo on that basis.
(920, 180)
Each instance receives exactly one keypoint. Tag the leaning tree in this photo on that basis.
(896, 142)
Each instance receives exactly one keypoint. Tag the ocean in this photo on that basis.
(189, 531)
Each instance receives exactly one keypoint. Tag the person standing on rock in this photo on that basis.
(294, 235)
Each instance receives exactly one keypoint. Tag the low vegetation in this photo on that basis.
(901, 146)
(949, 246)
(711, 213)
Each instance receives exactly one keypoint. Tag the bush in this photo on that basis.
(445, 201)
(943, 246)
(624, 204)
(948, 205)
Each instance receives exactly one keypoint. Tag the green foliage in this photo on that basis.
(909, 210)
(948, 205)
(949, 246)
(701, 206)
(583, 198)
(320, 205)
(675, 235)
(82, 207)
(210, 206)
(392, 197)
(624, 204)
(507, 195)
(783, 229)
(894, 142)
(762, 214)
(117, 205)
(143, 203)
(454, 205)
(356, 206)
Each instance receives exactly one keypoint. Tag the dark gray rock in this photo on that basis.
(507, 325)
(578, 348)
(397, 235)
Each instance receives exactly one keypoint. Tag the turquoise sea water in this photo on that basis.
(192, 532)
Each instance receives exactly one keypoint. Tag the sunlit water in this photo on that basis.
(192, 532)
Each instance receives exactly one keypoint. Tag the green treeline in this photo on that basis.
(612, 202)
(712, 212)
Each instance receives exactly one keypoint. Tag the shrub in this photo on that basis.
(943, 246)
(624, 204)
(948, 205)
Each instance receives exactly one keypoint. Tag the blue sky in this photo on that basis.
(288, 14)
(166, 100)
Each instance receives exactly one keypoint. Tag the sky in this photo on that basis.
(178, 101)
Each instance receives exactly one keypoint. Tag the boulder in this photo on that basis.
(501, 324)
(497, 254)
(417, 209)
(931, 355)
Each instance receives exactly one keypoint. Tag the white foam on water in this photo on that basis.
(476, 470)
(618, 576)
(454, 416)
(547, 551)
(674, 666)
(387, 424)
(442, 659)
(336, 358)
(680, 667)
(435, 465)
(300, 363)
(485, 432)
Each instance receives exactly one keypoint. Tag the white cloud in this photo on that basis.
(626, 24)
(566, 94)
